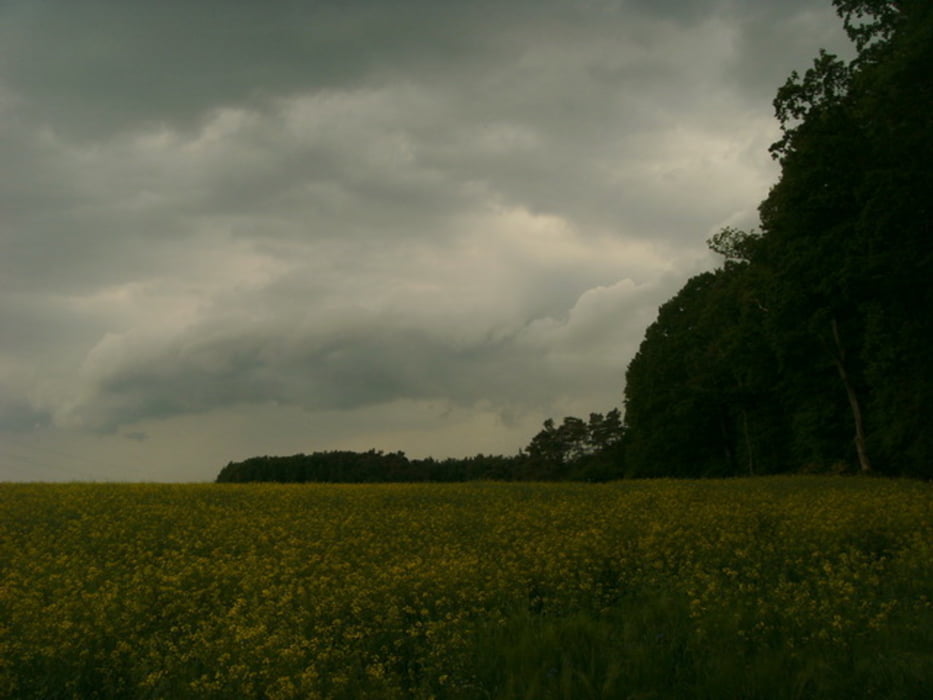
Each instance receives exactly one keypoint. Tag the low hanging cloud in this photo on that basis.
(213, 208)
(339, 346)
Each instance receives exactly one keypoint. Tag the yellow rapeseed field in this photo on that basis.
(776, 587)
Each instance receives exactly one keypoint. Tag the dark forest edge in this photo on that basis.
(809, 349)
(575, 450)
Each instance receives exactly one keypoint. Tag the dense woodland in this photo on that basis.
(811, 347)
(574, 450)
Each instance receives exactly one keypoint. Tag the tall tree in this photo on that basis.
(811, 344)
(699, 394)
(847, 232)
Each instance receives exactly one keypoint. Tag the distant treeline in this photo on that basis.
(343, 466)
(574, 450)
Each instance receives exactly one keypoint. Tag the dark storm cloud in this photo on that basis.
(348, 364)
(336, 206)
(343, 370)
(18, 415)
(92, 68)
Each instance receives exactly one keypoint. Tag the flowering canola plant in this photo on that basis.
(404, 590)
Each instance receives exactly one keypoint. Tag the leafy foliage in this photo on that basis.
(811, 344)
(575, 450)
(344, 466)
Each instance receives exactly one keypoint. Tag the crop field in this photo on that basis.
(759, 588)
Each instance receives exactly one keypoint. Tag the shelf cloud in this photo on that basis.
(229, 228)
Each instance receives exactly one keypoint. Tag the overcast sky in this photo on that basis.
(239, 228)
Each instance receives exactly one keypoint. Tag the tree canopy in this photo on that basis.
(576, 449)
(811, 345)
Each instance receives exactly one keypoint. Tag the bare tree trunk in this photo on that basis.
(748, 443)
(726, 443)
(839, 357)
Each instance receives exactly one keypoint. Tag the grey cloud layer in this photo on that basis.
(334, 205)
(353, 360)
(118, 65)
